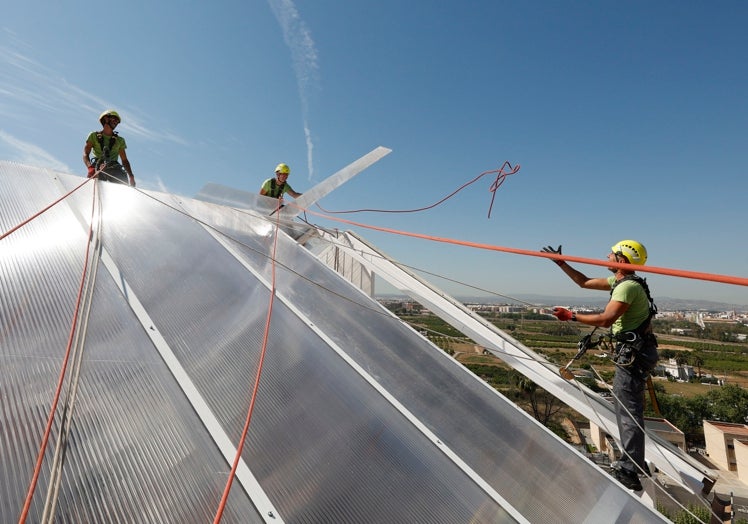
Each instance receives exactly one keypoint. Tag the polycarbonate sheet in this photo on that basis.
(53, 241)
(517, 456)
(230, 197)
(311, 410)
(138, 435)
(135, 451)
(324, 443)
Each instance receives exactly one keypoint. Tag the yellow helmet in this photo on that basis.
(634, 252)
(283, 169)
(109, 112)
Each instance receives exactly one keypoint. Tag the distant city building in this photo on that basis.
(673, 369)
(727, 446)
(496, 308)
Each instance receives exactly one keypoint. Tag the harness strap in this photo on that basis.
(276, 189)
(642, 328)
(106, 149)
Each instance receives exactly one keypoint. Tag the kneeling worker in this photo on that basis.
(276, 187)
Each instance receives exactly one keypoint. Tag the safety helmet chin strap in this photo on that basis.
(619, 255)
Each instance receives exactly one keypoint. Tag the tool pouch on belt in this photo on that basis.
(633, 347)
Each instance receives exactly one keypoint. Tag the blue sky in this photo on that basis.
(629, 119)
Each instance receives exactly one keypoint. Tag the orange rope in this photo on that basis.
(725, 279)
(265, 336)
(61, 379)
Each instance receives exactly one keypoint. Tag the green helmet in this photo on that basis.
(283, 169)
(109, 112)
(634, 252)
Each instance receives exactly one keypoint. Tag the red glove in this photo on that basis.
(91, 171)
(563, 314)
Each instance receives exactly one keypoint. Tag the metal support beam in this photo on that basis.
(668, 459)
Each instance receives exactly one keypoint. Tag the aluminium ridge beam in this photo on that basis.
(244, 475)
(396, 404)
(524, 360)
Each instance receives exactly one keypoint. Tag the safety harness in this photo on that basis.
(105, 149)
(644, 326)
(276, 189)
(629, 343)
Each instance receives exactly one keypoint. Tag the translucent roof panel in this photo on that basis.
(357, 418)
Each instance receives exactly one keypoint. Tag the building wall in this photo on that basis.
(741, 457)
(716, 447)
(682, 372)
(597, 435)
(725, 444)
(349, 268)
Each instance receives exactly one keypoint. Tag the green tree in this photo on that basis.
(729, 404)
(686, 414)
(697, 361)
(544, 405)
(681, 358)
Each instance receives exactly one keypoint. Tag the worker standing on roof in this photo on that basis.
(628, 313)
(107, 146)
(276, 187)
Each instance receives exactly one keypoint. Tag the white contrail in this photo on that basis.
(298, 38)
(28, 153)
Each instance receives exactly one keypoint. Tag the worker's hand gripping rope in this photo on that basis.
(563, 314)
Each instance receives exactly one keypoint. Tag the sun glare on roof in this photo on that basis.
(120, 203)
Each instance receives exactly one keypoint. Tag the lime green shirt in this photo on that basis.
(273, 190)
(115, 146)
(633, 294)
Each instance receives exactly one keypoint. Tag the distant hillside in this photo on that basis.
(663, 303)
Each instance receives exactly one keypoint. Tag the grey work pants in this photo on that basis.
(628, 388)
(115, 172)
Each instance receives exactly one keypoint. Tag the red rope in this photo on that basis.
(66, 359)
(255, 388)
(32, 217)
(500, 177)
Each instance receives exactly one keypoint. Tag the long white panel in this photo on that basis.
(545, 374)
(334, 181)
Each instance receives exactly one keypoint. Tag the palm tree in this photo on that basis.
(543, 404)
(697, 361)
